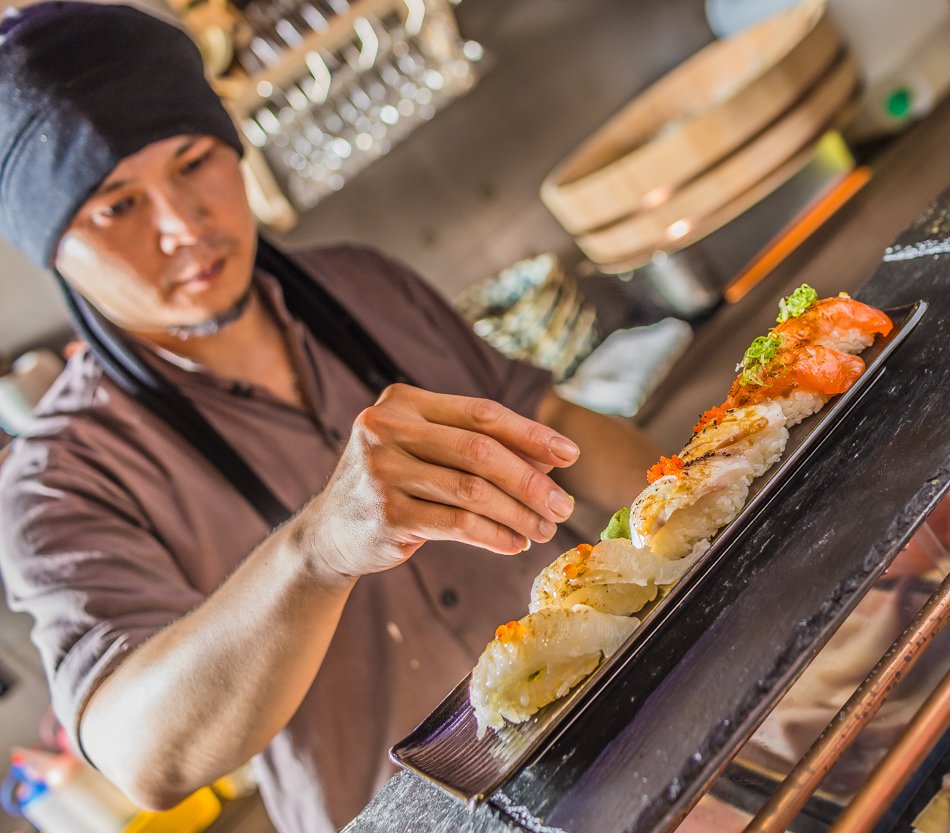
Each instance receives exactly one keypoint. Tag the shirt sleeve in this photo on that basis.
(76, 554)
(516, 384)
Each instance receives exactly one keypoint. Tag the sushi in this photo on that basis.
(539, 658)
(799, 377)
(808, 357)
(840, 323)
(613, 577)
(689, 502)
(582, 605)
(757, 432)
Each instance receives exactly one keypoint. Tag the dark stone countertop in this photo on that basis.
(658, 734)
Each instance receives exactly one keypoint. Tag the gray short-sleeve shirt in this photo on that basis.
(112, 528)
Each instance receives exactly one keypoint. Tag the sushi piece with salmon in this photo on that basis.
(808, 357)
(539, 658)
(840, 322)
(798, 376)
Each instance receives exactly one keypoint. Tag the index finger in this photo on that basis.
(528, 439)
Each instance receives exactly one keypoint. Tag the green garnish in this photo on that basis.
(619, 525)
(762, 350)
(797, 303)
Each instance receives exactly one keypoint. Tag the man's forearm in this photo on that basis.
(208, 692)
(615, 455)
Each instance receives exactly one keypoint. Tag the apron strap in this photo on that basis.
(330, 322)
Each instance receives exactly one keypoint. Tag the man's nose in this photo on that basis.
(180, 219)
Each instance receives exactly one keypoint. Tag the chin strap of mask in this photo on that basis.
(326, 318)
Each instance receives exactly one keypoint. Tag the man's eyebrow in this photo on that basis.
(110, 187)
(185, 146)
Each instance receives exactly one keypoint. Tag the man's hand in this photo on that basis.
(423, 466)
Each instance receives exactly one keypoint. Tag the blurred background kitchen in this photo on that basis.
(618, 190)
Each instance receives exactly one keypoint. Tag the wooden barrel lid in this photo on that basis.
(692, 117)
(688, 212)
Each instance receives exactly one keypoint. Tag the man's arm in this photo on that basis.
(615, 455)
(209, 691)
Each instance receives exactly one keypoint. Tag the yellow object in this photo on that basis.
(194, 814)
(935, 817)
(235, 784)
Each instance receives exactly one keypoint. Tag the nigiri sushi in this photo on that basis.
(800, 377)
(613, 577)
(840, 323)
(536, 660)
(757, 432)
(689, 502)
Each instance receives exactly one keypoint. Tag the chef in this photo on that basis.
(277, 505)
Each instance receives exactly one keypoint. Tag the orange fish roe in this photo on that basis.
(510, 631)
(667, 465)
(712, 415)
(573, 569)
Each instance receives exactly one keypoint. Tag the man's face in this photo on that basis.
(168, 238)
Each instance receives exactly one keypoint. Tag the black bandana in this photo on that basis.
(82, 86)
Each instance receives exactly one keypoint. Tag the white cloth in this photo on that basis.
(619, 375)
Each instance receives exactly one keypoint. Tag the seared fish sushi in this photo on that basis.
(799, 377)
(757, 432)
(536, 660)
(613, 577)
(840, 323)
(686, 503)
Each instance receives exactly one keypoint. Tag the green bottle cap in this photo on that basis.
(898, 104)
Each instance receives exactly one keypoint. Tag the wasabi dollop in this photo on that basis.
(619, 526)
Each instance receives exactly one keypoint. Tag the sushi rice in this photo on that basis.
(800, 405)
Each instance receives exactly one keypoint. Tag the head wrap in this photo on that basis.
(82, 86)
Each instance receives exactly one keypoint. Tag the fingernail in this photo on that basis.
(560, 504)
(523, 544)
(563, 448)
(546, 528)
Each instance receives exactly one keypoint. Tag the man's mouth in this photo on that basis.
(204, 274)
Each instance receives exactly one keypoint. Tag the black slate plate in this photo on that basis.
(444, 748)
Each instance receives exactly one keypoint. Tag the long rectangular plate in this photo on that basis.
(444, 748)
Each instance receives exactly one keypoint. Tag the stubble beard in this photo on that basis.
(216, 323)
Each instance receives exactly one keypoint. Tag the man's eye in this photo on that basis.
(193, 164)
(117, 209)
